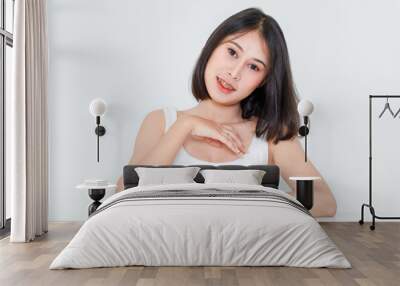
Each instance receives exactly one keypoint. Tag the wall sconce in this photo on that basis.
(305, 108)
(97, 108)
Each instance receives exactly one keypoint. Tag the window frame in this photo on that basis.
(6, 39)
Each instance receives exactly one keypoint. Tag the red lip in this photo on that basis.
(222, 88)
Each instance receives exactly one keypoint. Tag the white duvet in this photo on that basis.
(180, 231)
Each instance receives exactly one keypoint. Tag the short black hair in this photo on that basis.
(274, 103)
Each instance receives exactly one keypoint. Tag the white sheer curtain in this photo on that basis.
(27, 122)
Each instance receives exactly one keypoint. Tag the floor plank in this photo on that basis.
(374, 255)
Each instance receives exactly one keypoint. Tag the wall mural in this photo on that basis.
(246, 112)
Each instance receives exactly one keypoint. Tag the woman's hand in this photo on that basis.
(214, 133)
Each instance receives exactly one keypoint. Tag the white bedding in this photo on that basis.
(180, 231)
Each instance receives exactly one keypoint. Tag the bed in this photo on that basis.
(201, 224)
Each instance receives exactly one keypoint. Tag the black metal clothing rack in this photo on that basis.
(369, 205)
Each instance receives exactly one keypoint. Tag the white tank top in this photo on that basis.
(257, 152)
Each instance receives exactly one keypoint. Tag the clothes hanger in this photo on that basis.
(395, 115)
(387, 106)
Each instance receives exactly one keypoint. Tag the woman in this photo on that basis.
(246, 112)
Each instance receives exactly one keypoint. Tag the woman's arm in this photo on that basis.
(152, 146)
(289, 156)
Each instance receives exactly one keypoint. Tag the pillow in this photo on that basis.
(249, 177)
(161, 176)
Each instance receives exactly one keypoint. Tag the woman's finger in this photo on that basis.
(233, 136)
(227, 126)
(214, 142)
(228, 142)
(208, 140)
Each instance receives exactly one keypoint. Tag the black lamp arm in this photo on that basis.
(303, 131)
(100, 131)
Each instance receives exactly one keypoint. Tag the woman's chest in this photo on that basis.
(209, 150)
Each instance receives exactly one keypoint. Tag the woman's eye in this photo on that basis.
(232, 52)
(254, 67)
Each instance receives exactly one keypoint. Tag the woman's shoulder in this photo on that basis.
(158, 115)
(285, 145)
(161, 119)
(155, 115)
(154, 119)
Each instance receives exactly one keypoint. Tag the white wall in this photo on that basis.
(139, 56)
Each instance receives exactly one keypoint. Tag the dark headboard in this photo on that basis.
(270, 179)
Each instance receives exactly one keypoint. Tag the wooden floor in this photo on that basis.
(374, 255)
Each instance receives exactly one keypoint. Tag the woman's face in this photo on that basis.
(236, 67)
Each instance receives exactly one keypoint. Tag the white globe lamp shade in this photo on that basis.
(305, 107)
(97, 107)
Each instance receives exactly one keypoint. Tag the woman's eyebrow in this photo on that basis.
(240, 48)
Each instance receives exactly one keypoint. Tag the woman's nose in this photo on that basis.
(235, 72)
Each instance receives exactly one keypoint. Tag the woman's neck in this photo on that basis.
(211, 110)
